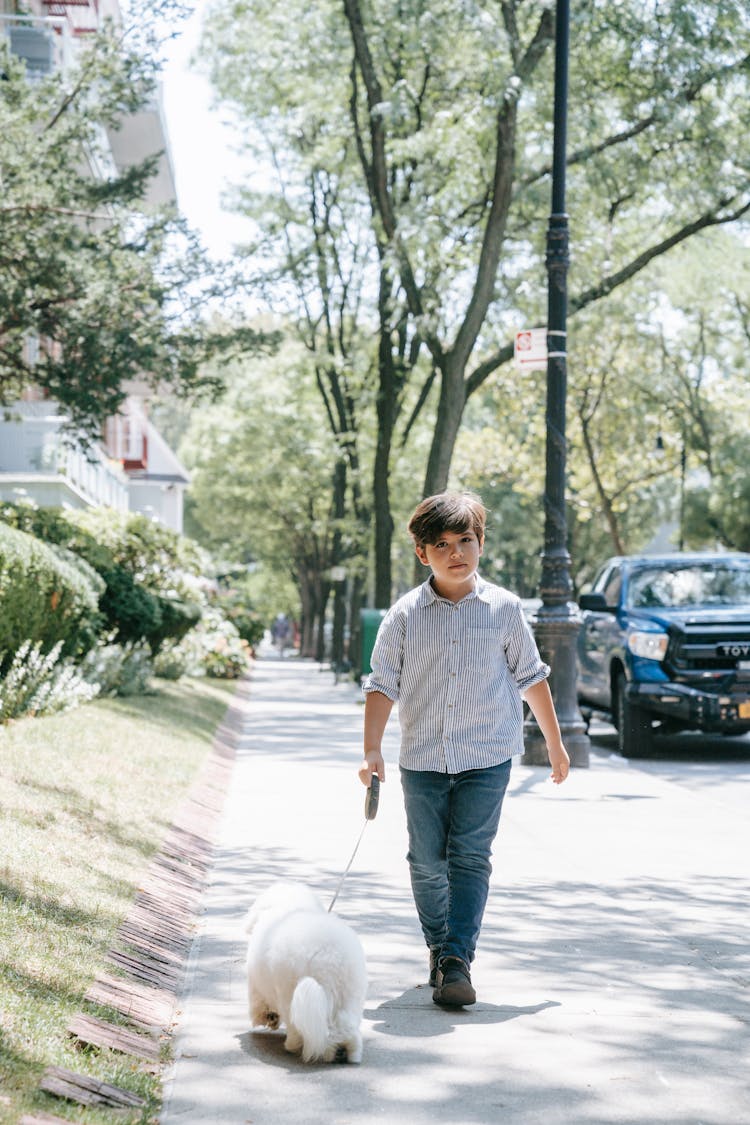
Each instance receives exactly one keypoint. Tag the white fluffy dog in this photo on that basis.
(306, 970)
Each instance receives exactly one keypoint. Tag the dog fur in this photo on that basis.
(306, 970)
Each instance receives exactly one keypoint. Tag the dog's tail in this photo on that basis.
(309, 1013)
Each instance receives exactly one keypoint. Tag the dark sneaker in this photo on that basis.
(453, 987)
(434, 958)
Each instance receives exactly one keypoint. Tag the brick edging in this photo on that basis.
(152, 945)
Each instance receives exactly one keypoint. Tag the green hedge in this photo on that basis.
(139, 561)
(46, 595)
(178, 617)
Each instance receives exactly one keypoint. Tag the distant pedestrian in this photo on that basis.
(458, 655)
(282, 633)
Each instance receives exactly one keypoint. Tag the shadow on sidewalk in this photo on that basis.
(427, 1019)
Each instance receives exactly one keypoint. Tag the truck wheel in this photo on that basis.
(635, 736)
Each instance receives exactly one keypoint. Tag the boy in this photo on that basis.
(456, 653)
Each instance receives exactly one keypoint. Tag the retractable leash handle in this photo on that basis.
(371, 808)
(372, 797)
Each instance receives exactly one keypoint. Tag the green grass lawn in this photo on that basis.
(85, 800)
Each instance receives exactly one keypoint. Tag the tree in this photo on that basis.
(449, 109)
(704, 352)
(657, 425)
(94, 291)
(660, 80)
(324, 268)
(261, 491)
(321, 270)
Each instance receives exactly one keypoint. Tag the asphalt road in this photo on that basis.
(694, 760)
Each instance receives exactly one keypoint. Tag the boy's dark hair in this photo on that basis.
(447, 511)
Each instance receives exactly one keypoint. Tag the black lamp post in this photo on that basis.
(557, 621)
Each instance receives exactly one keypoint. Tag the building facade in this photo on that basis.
(132, 468)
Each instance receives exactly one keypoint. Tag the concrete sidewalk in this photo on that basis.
(612, 971)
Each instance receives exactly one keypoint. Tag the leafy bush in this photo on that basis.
(38, 683)
(239, 604)
(177, 619)
(172, 663)
(152, 575)
(46, 596)
(227, 659)
(249, 624)
(130, 610)
(213, 648)
(119, 669)
(161, 560)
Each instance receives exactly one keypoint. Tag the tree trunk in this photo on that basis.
(339, 604)
(383, 527)
(387, 410)
(323, 590)
(447, 424)
(356, 600)
(307, 623)
(607, 508)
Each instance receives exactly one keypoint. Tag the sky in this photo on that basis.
(200, 145)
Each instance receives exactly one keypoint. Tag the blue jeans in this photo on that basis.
(452, 821)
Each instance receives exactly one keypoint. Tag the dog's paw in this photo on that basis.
(351, 1050)
(261, 1016)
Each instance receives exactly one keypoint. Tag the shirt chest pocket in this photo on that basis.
(484, 651)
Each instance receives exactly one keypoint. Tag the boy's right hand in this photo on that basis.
(373, 763)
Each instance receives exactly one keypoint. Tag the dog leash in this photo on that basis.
(371, 808)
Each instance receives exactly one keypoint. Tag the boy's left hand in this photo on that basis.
(373, 763)
(560, 762)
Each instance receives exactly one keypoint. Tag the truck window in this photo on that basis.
(696, 584)
(613, 586)
(600, 581)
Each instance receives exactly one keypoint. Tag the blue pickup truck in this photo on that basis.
(664, 646)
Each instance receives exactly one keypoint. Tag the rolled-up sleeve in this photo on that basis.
(522, 654)
(387, 656)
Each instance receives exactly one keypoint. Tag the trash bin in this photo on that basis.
(369, 623)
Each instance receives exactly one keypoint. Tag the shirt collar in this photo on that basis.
(428, 594)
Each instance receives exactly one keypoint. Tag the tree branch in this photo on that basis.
(45, 209)
(502, 192)
(423, 395)
(376, 170)
(612, 281)
(596, 292)
(687, 95)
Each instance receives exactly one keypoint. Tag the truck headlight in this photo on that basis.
(652, 646)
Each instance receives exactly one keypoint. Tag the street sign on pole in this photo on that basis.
(530, 349)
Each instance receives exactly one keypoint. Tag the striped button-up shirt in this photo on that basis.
(457, 671)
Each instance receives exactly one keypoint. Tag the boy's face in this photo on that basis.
(453, 558)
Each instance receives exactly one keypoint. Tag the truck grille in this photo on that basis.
(710, 648)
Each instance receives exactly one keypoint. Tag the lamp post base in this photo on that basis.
(575, 740)
(556, 631)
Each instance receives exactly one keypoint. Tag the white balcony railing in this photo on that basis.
(95, 479)
(36, 456)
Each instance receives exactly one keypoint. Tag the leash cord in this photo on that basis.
(346, 869)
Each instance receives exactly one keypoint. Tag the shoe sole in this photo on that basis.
(455, 995)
